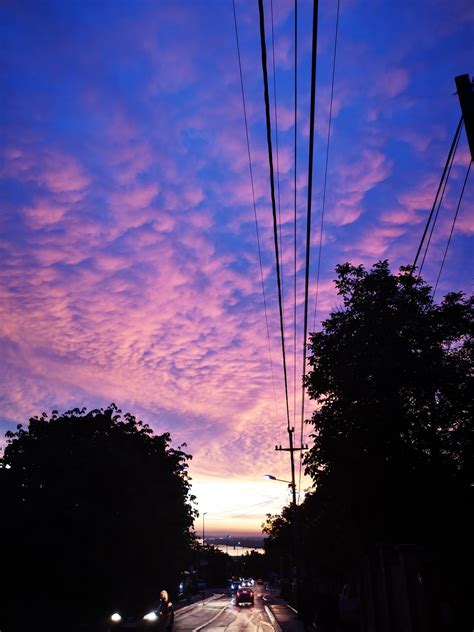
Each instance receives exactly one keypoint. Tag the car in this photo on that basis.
(234, 585)
(143, 619)
(244, 596)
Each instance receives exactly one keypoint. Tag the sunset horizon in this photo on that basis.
(131, 271)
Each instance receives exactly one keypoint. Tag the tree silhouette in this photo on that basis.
(393, 427)
(393, 437)
(99, 512)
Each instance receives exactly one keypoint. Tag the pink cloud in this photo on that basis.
(377, 241)
(44, 213)
(63, 174)
(393, 82)
(52, 169)
(418, 198)
(135, 197)
(353, 182)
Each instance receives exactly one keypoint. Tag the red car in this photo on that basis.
(244, 597)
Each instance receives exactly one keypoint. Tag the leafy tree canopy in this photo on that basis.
(393, 427)
(393, 452)
(99, 511)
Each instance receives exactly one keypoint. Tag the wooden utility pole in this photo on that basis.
(296, 525)
(465, 91)
(292, 451)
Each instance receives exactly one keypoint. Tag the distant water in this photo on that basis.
(236, 551)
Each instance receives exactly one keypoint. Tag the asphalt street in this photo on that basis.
(218, 613)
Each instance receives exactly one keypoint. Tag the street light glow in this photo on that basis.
(270, 477)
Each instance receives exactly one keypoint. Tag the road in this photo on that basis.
(219, 614)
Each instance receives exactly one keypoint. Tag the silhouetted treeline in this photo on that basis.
(392, 455)
(97, 512)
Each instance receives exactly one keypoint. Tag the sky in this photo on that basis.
(129, 262)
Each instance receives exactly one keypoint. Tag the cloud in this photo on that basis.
(52, 169)
(354, 181)
(375, 244)
(130, 267)
(44, 213)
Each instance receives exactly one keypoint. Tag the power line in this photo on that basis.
(277, 154)
(452, 227)
(229, 513)
(458, 131)
(446, 180)
(272, 189)
(295, 141)
(308, 211)
(255, 209)
(326, 168)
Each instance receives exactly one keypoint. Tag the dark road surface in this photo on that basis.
(218, 613)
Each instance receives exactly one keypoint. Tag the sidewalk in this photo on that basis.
(282, 616)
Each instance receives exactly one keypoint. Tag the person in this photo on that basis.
(166, 611)
(348, 610)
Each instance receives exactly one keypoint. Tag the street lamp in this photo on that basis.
(203, 531)
(203, 560)
(270, 477)
(292, 486)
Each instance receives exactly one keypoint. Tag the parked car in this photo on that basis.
(244, 597)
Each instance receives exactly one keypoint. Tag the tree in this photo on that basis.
(253, 565)
(393, 426)
(99, 511)
(279, 546)
(393, 453)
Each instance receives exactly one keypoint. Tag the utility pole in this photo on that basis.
(203, 560)
(465, 92)
(296, 525)
(292, 451)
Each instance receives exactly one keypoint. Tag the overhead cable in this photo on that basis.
(272, 190)
(328, 142)
(452, 227)
(446, 180)
(275, 107)
(295, 137)
(308, 211)
(448, 159)
(255, 210)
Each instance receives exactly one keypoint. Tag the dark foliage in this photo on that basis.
(393, 440)
(253, 564)
(214, 565)
(393, 431)
(99, 514)
(279, 544)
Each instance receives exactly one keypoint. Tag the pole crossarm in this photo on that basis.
(280, 448)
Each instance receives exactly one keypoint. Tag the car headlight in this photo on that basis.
(151, 616)
(116, 617)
